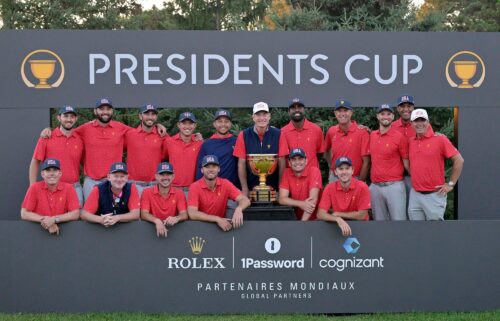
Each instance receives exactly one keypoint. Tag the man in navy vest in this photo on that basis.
(115, 200)
(260, 139)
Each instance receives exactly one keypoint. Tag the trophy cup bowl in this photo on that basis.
(42, 70)
(262, 165)
(465, 70)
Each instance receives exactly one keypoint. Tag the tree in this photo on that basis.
(68, 14)
(465, 15)
(216, 14)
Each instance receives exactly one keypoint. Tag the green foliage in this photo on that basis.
(67, 14)
(466, 15)
(215, 14)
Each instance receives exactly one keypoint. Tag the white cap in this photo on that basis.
(419, 113)
(260, 106)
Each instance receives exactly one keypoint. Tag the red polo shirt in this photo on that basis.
(144, 153)
(387, 153)
(212, 202)
(405, 129)
(92, 202)
(183, 157)
(356, 198)
(427, 155)
(240, 149)
(309, 138)
(40, 200)
(163, 206)
(355, 144)
(68, 150)
(103, 146)
(300, 186)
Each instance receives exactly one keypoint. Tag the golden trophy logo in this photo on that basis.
(467, 66)
(196, 244)
(42, 69)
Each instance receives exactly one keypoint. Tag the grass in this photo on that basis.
(417, 316)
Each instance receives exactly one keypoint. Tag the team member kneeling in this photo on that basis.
(208, 197)
(50, 201)
(163, 204)
(348, 197)
(114, 200)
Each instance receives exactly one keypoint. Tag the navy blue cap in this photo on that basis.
(209, 159)
(342, 104)
(50, 163)
(297, 152)
(165, 167)
(148, 107)
(67, 109)
(118, 167)
(103, 102)
(383, 107)
(296, 101)
(187, 115)
(406, 99)
(343, 160)
(222, 113)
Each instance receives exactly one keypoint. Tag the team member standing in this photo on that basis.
(114, 200)
(50, 201)
(162, 204)
(300, 185)
(300, 132)
(65, 146)
(144, 149)
(208, 197)
(221, 144)
(260, 139)
(347, 139)
(348, 197)
(427, 154)
(389, 158)
(182, 150)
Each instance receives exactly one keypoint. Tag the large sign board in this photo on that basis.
(272, 267)
(236, 69)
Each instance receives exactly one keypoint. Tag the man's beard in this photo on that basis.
(104, 121)
(298, 117)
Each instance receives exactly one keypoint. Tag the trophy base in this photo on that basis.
(262, 197)
(43, 86)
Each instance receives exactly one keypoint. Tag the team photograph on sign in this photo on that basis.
(394, 172)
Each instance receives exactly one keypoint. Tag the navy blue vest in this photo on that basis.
(269, 145)
(106, 204)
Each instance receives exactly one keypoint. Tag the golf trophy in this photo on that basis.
(262, 165)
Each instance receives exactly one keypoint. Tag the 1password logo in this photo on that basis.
(272, 245)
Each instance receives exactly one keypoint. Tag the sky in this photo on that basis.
(147, 4)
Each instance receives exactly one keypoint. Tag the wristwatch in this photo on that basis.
(57, 220)
(451, 184)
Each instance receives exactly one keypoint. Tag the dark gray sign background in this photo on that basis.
(437, 266)
(429, 85)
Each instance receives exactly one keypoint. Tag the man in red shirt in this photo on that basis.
(427, 153)
(63, 145)
(182, 150)
(208, 197)
(260, 139)
(302, 133)
(389, 159)
(406, 104)
(162, 204)
(144, 149)
(114, 200)
(300, 185)
(50, 201)
(348, 197)
(347, 139)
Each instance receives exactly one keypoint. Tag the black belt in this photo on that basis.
(386, 183)
(426, 192)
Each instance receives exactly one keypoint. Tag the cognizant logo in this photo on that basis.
(351, 246)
